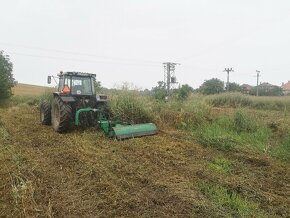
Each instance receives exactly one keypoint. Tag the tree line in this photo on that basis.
(211, 87)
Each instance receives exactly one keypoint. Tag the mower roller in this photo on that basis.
(76, 102)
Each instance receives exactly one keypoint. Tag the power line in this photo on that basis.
(234, 39)
(79, 60)
(75, 53)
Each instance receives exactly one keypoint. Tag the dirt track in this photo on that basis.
(84, 174)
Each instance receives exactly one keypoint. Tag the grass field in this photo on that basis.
(206, 161)
(30, 90)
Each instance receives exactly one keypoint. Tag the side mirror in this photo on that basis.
(49, 79)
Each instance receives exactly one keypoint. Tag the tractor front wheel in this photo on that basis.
(61, 115)
(45, 113)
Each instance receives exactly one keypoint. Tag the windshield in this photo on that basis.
(81, 86)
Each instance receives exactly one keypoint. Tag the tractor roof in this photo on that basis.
(77, 74)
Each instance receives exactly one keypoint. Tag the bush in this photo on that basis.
(183, 92)
(212, 86)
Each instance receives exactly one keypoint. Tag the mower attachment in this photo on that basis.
(132, 131)
(116, 129)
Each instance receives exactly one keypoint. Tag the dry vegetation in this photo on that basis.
(184, 171)
(30, 90)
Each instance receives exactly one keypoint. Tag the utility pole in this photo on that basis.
(228, 70)
(169, 76)
(258, 75)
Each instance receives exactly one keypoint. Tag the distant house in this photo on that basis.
(286, 88)
(267, 87)
(246, 88)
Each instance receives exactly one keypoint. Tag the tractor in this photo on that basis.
(76, 103)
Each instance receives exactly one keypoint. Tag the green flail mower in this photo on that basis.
(76, 103)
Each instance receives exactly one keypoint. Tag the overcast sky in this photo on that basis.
(128, 40)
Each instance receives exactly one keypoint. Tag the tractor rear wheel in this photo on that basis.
(61, 115)
(45, 113)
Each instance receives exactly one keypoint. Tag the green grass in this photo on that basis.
(282, 151)
(228, 203)
(216, 136)
(220, 165)
(30, 100)
(242, 122)
(233, 131)
(258, 140)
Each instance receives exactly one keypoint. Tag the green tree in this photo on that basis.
(212, 86)
(98, 86)
(183, 92)
(159, 91)
(6, 77)
(234, 87)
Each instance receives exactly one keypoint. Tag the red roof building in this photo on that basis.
(246, 88)
(286, 88)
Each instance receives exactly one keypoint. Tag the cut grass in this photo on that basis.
(4, 135)
(83, 173)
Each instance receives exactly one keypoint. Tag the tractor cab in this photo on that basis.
(76, 84)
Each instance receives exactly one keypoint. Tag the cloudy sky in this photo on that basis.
(128, 40)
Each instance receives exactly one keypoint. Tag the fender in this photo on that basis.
(64, 98)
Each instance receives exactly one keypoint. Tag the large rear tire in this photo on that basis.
(45, 113)
(61, 115)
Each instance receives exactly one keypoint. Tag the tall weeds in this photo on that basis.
(189, 114)
(130, 107)
(237, 100)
